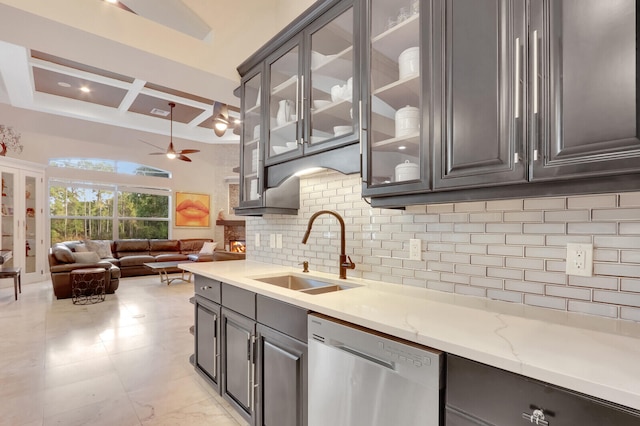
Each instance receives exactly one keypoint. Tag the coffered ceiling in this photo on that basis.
(122, 64)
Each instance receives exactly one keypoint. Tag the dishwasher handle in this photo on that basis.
(387, 364)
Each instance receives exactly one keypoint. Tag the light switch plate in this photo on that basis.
(415, 249)
(257, 239)
(580, 259)
(279, 241)
(272, 240)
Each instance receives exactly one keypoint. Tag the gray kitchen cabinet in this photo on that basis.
(397, 96)
(480, 395)
(584, 88)
(207, 349)
(282, 379)
(529, 99)
(281, 368)
(299, 106)
(312, 80)
(481, 105)
(252, 349)
(255, 199)
(238, 334)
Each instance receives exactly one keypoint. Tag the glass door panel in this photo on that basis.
(8, 227)
(332, 86)
(30, 224)
(284, 104)
(395, 101)
(251, 133)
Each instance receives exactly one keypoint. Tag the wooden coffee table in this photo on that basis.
(161, 269)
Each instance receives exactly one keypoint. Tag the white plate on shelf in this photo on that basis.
(319, 103)
(284, 84)
(278, 149)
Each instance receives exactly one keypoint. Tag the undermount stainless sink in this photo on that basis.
(307, 285)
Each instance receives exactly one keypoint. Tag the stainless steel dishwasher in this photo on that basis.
(358, 377)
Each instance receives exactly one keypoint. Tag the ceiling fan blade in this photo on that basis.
(157, 153)
(188, 151)
(183, 157)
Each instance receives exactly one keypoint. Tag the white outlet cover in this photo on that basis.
(257, 239)
(279, 241)
(272, 240)
(415, 249)
(580, 259)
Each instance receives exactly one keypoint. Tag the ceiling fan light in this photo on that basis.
(220, 125)
(171, 155)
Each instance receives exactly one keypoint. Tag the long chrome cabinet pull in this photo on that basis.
(535, 71)
(300, 114)
(517, 77)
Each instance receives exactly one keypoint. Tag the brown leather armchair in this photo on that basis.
(62, 262)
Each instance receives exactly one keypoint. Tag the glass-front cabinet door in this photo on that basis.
(331, 100)
(398, 57)
(284, 82)
(251, 185)
(8, 227)
(31, 223)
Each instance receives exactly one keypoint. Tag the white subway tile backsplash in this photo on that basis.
(617, 214)
(592, 201)
(593, 308)
(568, 292)
(630, 285)
(630, 199)
(512, 250)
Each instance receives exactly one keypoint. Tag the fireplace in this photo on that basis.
(237, 246)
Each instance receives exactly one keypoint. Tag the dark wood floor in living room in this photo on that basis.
(124, 361)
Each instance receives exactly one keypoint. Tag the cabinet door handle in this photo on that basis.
(205, 287)
(517, 77)
(535, 71)
(300, 119)
(536, 418)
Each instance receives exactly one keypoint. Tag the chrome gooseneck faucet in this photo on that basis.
(344, 263)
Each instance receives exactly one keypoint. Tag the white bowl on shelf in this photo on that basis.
(292, 145)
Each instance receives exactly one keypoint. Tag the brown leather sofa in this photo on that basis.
(128, 258)
(62, 262)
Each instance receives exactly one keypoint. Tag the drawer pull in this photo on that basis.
(537, 417)
(205, 287)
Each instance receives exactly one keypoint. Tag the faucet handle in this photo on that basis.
(305, 266)
(349, 263)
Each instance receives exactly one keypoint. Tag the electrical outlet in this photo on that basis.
(580, 259)
(279, 241)
(415, 249)
(272, 240)
(257, 239)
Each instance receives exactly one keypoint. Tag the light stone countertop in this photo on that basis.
(593, 355)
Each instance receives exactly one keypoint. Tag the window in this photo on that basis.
(113, 166)
(80, 210)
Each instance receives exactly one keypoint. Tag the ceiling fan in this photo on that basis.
(171, 153)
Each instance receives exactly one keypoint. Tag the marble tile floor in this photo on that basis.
(123, 362)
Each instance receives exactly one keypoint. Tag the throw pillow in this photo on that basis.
(86, 257)
(81, 248)
(208, 247)
(101, 247)
(62, 253)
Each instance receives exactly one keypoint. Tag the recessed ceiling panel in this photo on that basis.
(178, 93)
(144, 104)
(67, 86)
(78, 66)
